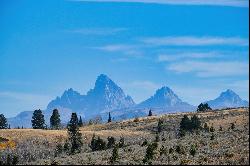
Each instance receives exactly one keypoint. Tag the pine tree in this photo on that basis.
(200, 107)
(182, 133)
(111, 142)
(207, 107)
(109, 119)
(55, 122)
(115, 154)
(97, 144)
(150, 152)
(121, 142)
(150, 113)
(196, 123)
(160, 125)
(3, 122)
(80, 123)
(38, 121)
(203, 107)
(185, 123)
(75, 137)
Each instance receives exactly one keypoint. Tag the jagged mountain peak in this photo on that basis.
(69, 99)
(103, 79)
(165, 92)
(104, 86)
(226, 99)
(70, 92)
(228, 93)
(164, 98)
(107, 95)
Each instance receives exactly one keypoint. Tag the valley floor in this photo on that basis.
(223, 146)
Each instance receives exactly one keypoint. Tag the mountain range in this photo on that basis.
(107, 96)
(227, 99)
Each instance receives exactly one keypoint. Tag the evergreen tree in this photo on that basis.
(196, 123)
(111, 142)
(121, 142)
(97, 144)
(115, 154)
(200, 107)
(80, 123)
(182, 133)
(38, 121)
(75, 137)
(55, 122)
(185, 123)
(3, 122)
(109, 119)
(58, 150)
(207, 107)
(203, 107)
(150, 113)
(150, 152)
(160, 125)
(66, 147)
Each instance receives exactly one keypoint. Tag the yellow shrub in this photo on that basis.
(9, 144)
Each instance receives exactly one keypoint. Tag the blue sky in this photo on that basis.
(197, 48)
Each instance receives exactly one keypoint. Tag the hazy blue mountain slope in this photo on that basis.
(227, 99)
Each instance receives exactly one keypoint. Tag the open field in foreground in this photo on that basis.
(223, 146)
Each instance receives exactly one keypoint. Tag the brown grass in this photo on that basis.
(228, 146)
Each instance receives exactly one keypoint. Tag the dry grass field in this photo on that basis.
(228, 146)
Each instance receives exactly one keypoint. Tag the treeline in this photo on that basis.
(38, 121)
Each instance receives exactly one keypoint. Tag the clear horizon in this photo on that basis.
(197, 49)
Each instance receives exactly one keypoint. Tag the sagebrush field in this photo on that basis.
(225, 144)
